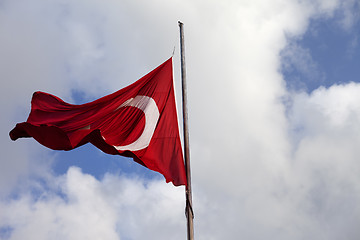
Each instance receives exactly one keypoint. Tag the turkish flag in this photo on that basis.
(138, 121)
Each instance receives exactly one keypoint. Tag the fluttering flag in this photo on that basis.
(138, 121)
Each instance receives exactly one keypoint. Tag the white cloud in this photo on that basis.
(254, 177)
(331, 108)
(77, 206)
(326, 159)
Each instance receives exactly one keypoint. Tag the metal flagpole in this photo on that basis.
(188, 210)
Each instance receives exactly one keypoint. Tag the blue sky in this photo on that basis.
(274, 111)
(334, 51)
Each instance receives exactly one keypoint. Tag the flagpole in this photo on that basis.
(188, 194)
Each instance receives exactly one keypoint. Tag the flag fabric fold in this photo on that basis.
(138, 121)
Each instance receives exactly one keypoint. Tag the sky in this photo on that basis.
(274, 116)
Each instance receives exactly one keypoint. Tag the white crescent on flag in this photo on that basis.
(151, 111)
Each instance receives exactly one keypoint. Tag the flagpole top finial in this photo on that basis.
(180, 23)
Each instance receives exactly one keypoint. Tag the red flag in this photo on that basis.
(138, 121)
